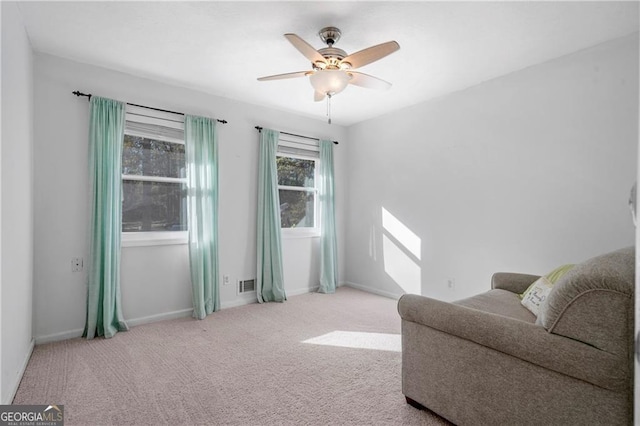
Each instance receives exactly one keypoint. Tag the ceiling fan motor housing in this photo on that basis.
(333, 56)
(332, 52)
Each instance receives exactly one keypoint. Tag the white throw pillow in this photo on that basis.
(536, 294)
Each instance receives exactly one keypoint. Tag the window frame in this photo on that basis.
(176, 121)
(303, 232)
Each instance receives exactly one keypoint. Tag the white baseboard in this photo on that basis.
(240, 301)
(368, 289)
(72, 334)
(18, 378)
(299, 291)
(56, 337)
(182, 313)
(248, 301)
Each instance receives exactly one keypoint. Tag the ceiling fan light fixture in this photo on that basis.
(333, 69)
(329, 82)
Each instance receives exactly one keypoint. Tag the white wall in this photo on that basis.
(155, 280)
(521, 173)
(16, 223)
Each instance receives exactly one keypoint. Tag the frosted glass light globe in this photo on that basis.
(329, 82)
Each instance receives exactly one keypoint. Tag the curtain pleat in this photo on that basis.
(328, 245)
(270, 277)
(106, 133)
(201, 149)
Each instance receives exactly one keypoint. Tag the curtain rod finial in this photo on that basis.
(79, 93)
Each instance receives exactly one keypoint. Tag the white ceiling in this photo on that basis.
(222, 47)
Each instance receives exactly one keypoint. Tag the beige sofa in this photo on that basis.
(488, 360)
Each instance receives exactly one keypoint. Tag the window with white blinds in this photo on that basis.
(297, 161)
(153, 172)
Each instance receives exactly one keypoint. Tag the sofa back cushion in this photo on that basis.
(593, 302)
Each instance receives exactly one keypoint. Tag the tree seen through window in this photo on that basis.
(154, 196)
(296, 186)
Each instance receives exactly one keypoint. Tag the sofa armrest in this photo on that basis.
(515, 283)
(523, 340)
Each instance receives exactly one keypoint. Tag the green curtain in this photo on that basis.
(201, 148)
(328, 245)
(270, 279)
(106, 134)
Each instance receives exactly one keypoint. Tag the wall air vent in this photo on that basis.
(246, 286)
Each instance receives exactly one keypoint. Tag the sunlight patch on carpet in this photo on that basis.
(359, 340)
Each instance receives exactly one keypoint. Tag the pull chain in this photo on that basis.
(329, 108)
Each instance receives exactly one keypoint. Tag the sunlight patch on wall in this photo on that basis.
(400, 267)
(401, 249)
(359, 340)
(400, 232)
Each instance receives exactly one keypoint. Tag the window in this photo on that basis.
(297, 162)
(154, 203)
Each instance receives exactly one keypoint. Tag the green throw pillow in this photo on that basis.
(552, 277)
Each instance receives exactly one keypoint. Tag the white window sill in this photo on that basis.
(142, 239)
(289, 234)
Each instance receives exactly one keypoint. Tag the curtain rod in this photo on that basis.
(259, 129)
(79, 93)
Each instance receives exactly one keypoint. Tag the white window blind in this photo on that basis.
(294, 145)
(145, 122)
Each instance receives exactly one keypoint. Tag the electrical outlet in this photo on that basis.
(77, 264)
(451, 284)
(225, 280)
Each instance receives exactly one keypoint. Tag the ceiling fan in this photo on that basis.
(332, 69)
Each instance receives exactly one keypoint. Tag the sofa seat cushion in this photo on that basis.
(499, 302)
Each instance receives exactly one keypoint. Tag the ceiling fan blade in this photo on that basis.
(284, 76)
(371, 54)
(305, 48)
(318, 96)
(368, 81)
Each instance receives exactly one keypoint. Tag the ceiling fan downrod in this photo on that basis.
(330, 35)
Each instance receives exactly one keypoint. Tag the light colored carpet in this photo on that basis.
(248, 366)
